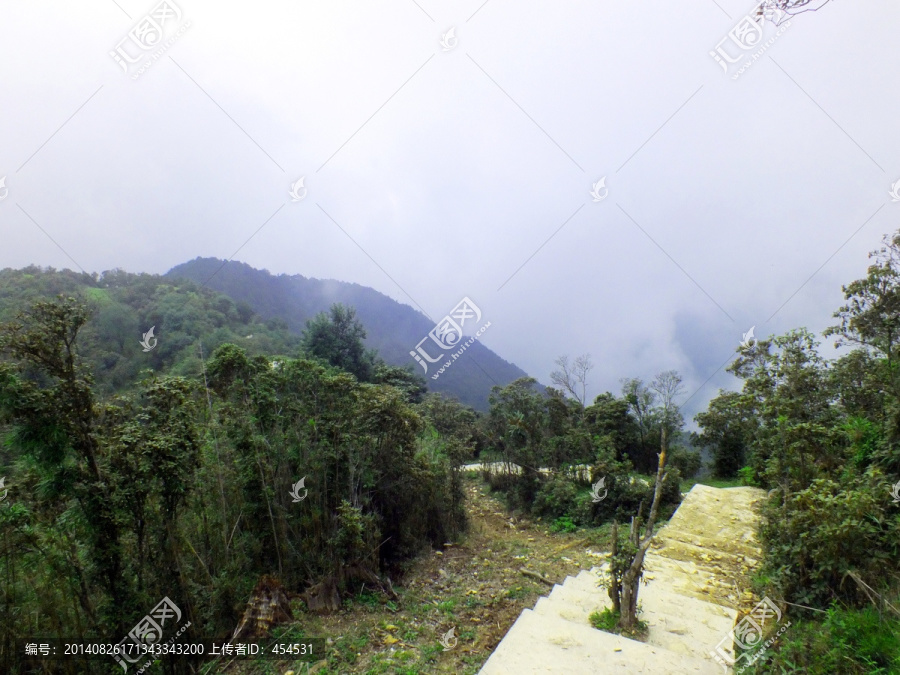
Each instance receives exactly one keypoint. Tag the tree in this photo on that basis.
(573, 379)
(54, 421)
(337, 338)
(871, 317)
(626, 566)
(788, 384)
(449, 417)
(640, 399)
(410, 383)
(609, 416)
(518, 418)
(726, 429)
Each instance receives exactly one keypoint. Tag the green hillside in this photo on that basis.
(258, 311)
(393, 328)
(124, 306)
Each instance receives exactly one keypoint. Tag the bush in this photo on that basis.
(826, 531)
(747, 475)
(555, 498)
(563, 524)
(688, 462)
(626, 493)
(851, 642)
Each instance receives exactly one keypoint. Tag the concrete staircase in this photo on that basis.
(695, 573)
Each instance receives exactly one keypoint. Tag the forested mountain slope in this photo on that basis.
(260, 312)
(393, 329)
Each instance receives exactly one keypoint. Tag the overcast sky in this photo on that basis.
(435, 171)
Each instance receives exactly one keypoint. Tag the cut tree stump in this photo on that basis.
(268, 605)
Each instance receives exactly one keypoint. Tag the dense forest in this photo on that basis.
(392, 328)
(174, 470)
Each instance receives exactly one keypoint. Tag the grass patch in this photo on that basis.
(688, 483)
(516, 593)
(605, 620)
(447, 606)
(608, 621)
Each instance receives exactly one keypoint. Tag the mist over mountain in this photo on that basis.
(393, 329)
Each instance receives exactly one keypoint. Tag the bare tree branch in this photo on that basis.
(573, 378)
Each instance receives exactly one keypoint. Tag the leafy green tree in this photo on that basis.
(337, 338)
(450, 418)
(727, 428)
(410, 383)
(47, 397)
(609, 416)
(871, 320)
(871, 317)
(518, 419)
(641, 399)
(787, 381)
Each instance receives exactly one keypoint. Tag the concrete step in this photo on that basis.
(548, 645)
(704, 551)
(656, 595)
(577, 604)
(679, 623)
(693, 574)
(565, 610)
(690, 579)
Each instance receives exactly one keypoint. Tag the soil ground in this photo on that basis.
(474, 587)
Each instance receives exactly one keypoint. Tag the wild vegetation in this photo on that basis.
(239, 452)
(823, 436)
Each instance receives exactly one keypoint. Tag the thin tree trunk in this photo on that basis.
(632, 577)
(615, 586)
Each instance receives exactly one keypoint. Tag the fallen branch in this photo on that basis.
(869, 591)
(570, 545)
(535, 575)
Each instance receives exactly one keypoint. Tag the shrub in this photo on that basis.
(748, 476)
(821, 534)
(851, 642)
(563, 524)
(687, 461)
(555, 498)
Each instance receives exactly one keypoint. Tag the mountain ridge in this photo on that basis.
(393, 328)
